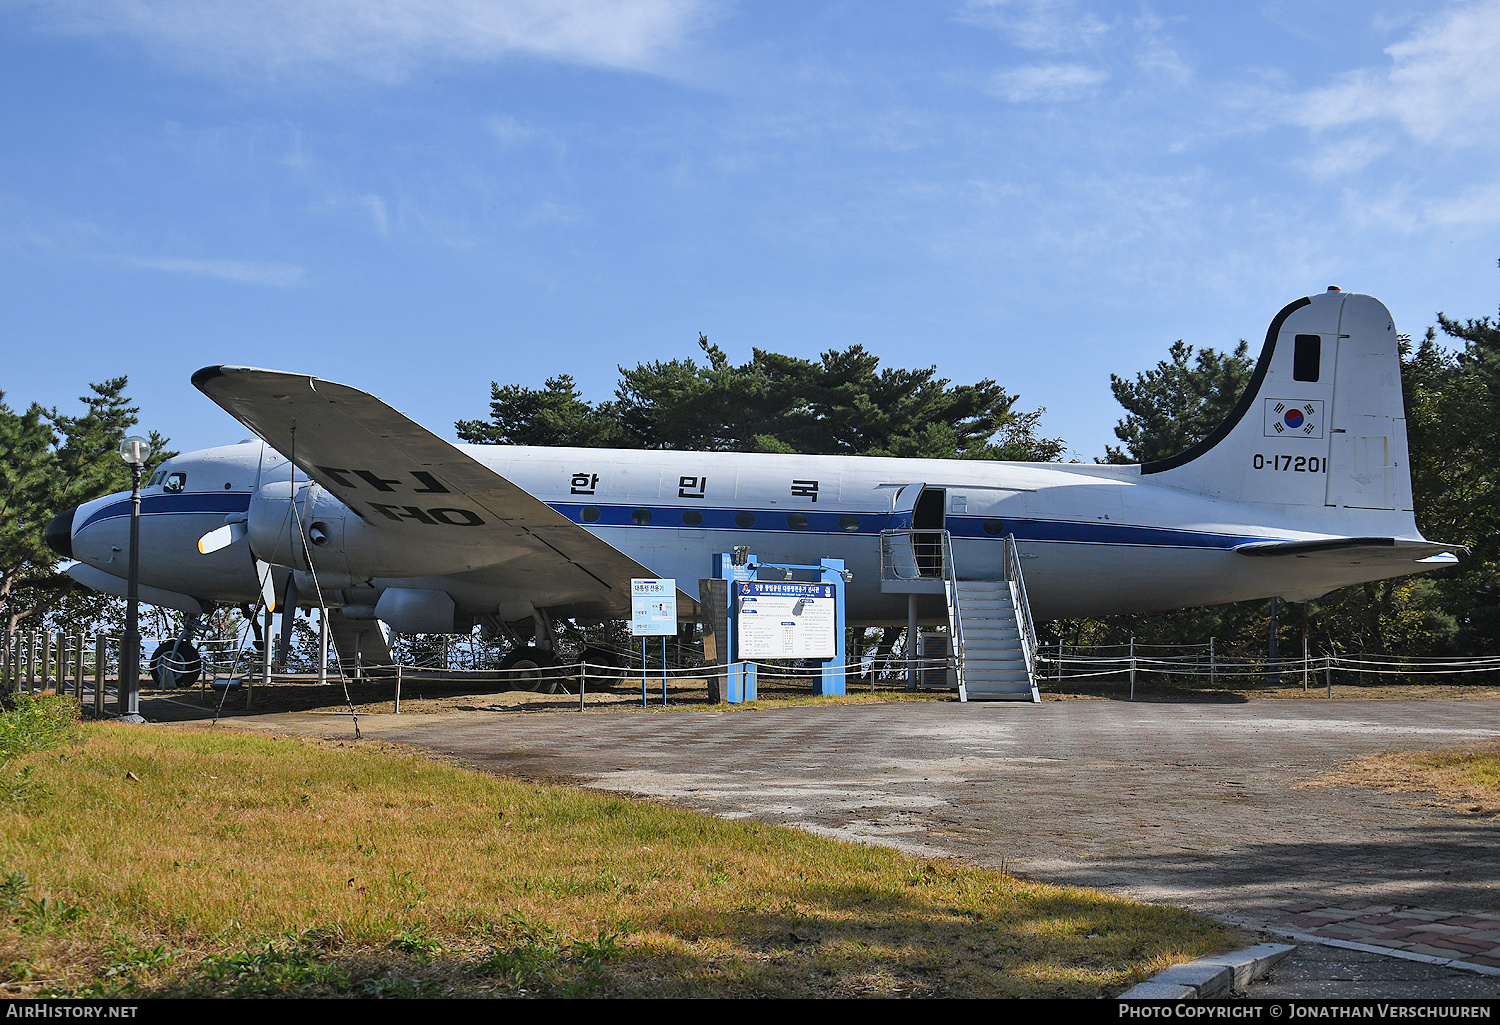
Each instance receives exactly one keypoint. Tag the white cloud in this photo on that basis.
(375, 206)
(1046, 83)
(1478, 207)
(382, 39)
(244, 272)
(1049, 26)
(1345, 156)
(510, 131)
(1442, 85)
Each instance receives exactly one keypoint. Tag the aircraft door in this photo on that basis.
(904, 505)
(928, 521)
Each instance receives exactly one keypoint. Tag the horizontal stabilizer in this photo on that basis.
(1357, 551)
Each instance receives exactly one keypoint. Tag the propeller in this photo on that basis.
(288, 618)
(267, 584)
(222, 537)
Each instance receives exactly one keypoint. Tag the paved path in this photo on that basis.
(1197, 805)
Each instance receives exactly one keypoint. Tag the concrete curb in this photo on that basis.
(1366, 948)
(1211, 977)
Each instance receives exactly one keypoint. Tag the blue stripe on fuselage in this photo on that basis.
(775, 521)
(770, 521)
(222, 502)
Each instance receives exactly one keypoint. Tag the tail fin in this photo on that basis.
(1320, 426)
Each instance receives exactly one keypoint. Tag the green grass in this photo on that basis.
(242, 865)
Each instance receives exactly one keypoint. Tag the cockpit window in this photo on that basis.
(175, 482)
(156, 478)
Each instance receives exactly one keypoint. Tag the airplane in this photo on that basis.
(1303, 488)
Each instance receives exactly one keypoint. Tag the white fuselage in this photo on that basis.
(1095, 539)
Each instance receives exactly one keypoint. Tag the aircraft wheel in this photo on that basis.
(534, 665)
(182, 661)
(606, 669)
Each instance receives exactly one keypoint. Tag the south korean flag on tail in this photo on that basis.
(1294, 418)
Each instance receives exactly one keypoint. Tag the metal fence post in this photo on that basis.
(323, 647)
(63, 649)
(78, 666)
(101, 668)
(1132, 669)
(1213, 664)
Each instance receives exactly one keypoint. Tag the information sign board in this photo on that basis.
(653, 607)
(785, 620)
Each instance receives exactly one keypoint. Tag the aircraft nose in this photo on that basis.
(59, 533)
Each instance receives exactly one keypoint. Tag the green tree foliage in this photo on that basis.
(1171, 408)
(844, 403)
(50, 461)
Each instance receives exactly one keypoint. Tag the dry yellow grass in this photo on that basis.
(241, 864)
(1466, 778)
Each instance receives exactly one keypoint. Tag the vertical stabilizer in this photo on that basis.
(1320, 426)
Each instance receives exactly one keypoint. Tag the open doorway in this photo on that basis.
(928, 518)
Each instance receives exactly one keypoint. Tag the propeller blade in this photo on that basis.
(221, 537)
(288, 620)
(267, 585)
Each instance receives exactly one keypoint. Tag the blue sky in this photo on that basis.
(419, 198)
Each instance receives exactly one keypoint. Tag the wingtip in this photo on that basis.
(207, 374)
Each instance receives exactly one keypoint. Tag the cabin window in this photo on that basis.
(796, 521)
(590, 514)
(849, 523)
(693, 518)
(641, 516)
(994, 528)
(175, 482)
(744, 520)
(1307, 357)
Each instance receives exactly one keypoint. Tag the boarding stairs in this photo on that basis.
(992, 640)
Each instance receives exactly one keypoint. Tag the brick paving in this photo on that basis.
(1462, 937)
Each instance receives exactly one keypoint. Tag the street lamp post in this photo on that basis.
(134, 451)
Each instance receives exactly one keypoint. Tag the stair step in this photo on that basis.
(994, 663)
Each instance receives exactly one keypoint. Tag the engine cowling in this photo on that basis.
(341, 545)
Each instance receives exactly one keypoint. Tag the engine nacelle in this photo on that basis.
(415, 610)
(344, 549)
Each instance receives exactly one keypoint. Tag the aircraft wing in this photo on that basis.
(1356, 551)
(401, 478)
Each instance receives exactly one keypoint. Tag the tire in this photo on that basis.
(182, 661)
(536, 662)
(612, 671)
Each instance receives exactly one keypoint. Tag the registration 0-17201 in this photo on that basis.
(1295, 464)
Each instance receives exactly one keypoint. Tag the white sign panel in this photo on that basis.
(783, 620)
(653, 607)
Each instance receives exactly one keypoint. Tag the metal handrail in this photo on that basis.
(1023, 605)
(902, 554)
(955, 617)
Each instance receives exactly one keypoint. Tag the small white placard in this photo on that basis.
(653, 607)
